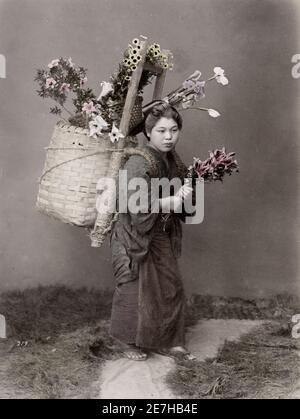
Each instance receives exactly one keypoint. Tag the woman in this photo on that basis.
(149, 301)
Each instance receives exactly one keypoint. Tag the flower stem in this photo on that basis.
(70, 113)
(212, 78)
(199, 109)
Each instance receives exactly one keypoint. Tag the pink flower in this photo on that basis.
(215, 167)
(89, 107)
(54, 63)
(50, 83)
(64, 88)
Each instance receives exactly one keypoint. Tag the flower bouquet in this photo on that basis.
(215, 167)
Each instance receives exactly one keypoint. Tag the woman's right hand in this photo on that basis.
(184, 191)
(174, 203)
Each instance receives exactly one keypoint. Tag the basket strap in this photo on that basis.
(154, 169)
(120, 150)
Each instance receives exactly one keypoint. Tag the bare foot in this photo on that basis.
(178, 352)
(135, 353)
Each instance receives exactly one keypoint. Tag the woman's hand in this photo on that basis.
(174, 203)
(184, 191)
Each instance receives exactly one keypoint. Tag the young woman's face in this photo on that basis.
(164, 135)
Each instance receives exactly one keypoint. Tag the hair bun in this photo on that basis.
(159, 108)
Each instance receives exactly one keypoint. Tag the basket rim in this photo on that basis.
(67, 126)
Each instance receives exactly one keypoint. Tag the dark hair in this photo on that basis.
(158, 111)
(153, 112)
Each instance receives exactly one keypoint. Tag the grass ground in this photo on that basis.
(58, 339)
(262, 364)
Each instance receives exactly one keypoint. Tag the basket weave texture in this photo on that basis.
(136, 115)
(74, 163)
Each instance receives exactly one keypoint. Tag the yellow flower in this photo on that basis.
(134, 51)
(127, 78)
(136, 41)
(165, 65)
(156, 46)
(133, 67)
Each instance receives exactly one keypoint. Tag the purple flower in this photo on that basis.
(199, 89)
(188, 84)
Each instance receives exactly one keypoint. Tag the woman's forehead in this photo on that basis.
(166, 123)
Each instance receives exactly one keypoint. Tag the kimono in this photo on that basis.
(149, 300)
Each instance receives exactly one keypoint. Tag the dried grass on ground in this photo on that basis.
(263, 364)
(58, 339)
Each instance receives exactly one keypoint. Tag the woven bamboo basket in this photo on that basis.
(136, 114)
(74, 163)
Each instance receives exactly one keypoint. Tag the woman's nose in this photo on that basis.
(168, 136)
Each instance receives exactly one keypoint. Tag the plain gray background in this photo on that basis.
(247, 244)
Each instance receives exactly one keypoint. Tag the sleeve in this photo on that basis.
(182, 216)
(145, 197)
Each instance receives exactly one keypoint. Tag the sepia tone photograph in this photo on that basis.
(149, 201)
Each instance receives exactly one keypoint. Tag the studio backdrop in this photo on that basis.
(247, 243)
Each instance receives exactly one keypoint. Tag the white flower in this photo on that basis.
(220, 77)
(219, 71)
(96, 126)
(54, 63)
(106, 88)
(213, 113)
(115, 134)
(195, 76)
(223, 80)
(71, 64)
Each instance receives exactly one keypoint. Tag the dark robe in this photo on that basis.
(149, 301)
